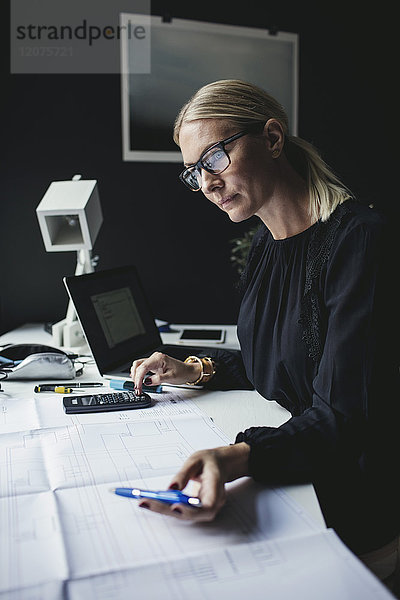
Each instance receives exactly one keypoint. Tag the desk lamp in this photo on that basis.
(70, 217)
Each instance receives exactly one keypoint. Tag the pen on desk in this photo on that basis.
(168, 496)
(58, 389)
(120, 384)
(65, 388)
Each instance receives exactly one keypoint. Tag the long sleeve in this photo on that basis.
(333, 430)
(230, 372)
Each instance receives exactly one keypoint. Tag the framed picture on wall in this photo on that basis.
(164, 63)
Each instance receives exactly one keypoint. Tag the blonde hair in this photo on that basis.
(245, 104)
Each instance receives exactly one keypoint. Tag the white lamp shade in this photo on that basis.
(70, 215)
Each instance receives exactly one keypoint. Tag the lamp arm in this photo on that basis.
(83, 262)
(83, 265)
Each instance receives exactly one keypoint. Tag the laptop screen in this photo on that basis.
(114, 314)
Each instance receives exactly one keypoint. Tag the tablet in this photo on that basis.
(205, 335)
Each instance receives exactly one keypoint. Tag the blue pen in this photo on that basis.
(120, 384)
(168, 496)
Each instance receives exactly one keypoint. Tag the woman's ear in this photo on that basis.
(274, 135)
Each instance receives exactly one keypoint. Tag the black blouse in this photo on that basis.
(317, 317)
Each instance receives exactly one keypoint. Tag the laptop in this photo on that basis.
(117, 321)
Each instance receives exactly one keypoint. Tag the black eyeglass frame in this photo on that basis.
(200, 165)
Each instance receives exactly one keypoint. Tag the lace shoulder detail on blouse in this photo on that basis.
(319, 248)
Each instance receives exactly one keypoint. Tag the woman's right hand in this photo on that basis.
(163, 369)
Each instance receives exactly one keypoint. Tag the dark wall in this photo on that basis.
(54, 126)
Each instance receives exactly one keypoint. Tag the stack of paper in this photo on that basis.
(64, 534)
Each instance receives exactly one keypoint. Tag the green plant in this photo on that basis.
(240, 249)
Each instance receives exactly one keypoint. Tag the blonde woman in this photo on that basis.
(313, 326)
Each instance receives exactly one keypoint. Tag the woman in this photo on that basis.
(313, 325)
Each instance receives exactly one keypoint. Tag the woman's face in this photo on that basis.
(248, 183)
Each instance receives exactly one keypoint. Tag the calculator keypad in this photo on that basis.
(125, 400)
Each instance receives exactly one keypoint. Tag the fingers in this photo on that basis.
(180, 511)
(191, 469)
(212, 489)
(163, 369)
(156, 364)
(133, 373)
(201, 468)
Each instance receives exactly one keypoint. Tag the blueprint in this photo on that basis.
(65, 534)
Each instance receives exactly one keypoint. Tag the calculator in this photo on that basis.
(91, 403)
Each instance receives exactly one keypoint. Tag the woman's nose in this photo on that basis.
(210, 181)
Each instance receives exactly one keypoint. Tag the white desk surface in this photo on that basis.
(62, 532)
(232, 411)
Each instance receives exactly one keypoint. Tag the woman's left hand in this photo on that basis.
(211, 469)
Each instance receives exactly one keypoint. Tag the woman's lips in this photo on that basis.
(223, 203)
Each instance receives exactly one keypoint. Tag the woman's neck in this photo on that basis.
(287, 212)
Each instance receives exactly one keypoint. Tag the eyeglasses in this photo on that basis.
(213, 160)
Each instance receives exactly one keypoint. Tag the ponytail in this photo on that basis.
(325, 189)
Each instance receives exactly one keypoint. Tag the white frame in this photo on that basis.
(219, 31)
